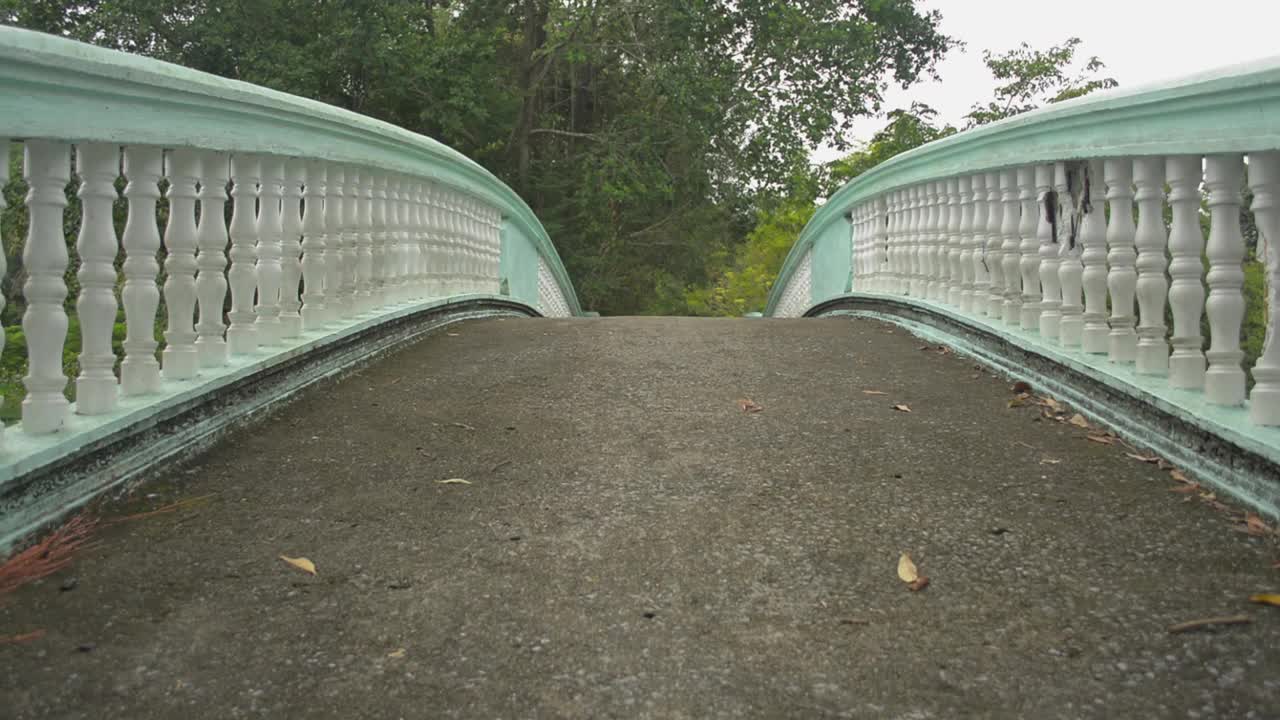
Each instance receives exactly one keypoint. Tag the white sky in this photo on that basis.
(1141, 41)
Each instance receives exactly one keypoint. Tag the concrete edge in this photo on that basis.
(46, 495)
(1214, 460)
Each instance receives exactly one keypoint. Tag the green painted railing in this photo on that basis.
(345, 236)
(1074, 231)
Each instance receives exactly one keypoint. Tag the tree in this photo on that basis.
(1033, 78)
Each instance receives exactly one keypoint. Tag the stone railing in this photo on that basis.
(1073, 237)
(258, 233)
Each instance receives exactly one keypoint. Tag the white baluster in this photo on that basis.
(1029, 249)
(1070, 269)
(295, 173)
(47, 170)
(955, 242)
(181, 360)
(1093, 240)
(915, 262)
(140, 371)
(379, 249)
(1050, 291)
(892, 254)
(1153, 352)
(495, 238)
(96, 388)
(349, 254)
(242, 336)
(1264, 180)
(1011, 257)
(270, 231)
(364, 245)
(943, 250)
(931, 237)
(1224, 380)
(981, 281)
(413, 240)
(1122, 279)
(995, 248)
(1186, 289)
(335, 303)
(393, 264)
(966, 244)
(314, 314)
(881, 240)
(211, 237)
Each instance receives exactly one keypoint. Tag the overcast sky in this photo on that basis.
(1141, 41)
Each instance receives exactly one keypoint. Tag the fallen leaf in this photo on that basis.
(453, 334)
(1021, 386)
(1143, 458)
(1079, 421)
(907, 569)
(1255, 524)
(464, 426)
(1177, 475)
(1049, 461)
(301, 563)
(22, 638)
(453, 481)
(1209, 622)
(1275, 565)
(874, 392)
(1185, 489)
(1051, 404)
(902, 408)
(397, 653)
(1102, 439)
(1266, 599)
(918, 584)
(750, 406)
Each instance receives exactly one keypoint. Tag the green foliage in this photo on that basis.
(1032, 78)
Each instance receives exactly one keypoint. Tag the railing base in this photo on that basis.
(1216, 448)
(57, 474)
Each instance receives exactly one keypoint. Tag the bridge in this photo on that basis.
(360, 452)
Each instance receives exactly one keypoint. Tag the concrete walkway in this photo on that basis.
(632, 544)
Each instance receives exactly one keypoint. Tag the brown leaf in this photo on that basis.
(750, 406)
(902, 408)
(1256, 525)
(397, 654)
(1143, 458)
(918, 584)
(1101, 439)
(1266, 599)
(1185, 489)
(301, 563)
(1021, 387)
(874, 392)
(1052, 404)
(1079, 421)
(1177, 475)
(907, 571)
(22, 638)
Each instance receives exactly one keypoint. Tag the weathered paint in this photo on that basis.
(57, 89)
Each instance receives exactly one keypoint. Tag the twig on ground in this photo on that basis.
(49, 555)
(1210, 622)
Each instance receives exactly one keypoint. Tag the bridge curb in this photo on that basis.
(1214, 455)
(45, 494)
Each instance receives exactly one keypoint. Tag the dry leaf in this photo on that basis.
(918, 584)
(874, 392)
(454, 481)
(1079, 421)
(301, 563)
(1102, 439)
(22, 638)
(1255, 525)
(1177, 475)
(1143, 458)
(397, 653)
(902, 408)
(907, 569)
(750, 406)
(1051, 404)
(1266, 599)
(1021, 387)
(1185, 489)
(1209, 622)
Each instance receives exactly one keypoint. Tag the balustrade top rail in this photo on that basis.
(59, 89)
(1227, 109)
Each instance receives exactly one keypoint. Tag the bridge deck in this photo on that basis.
(632, 544)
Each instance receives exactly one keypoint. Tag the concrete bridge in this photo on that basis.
(383, 465)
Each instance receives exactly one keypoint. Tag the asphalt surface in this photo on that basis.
(631, 543)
